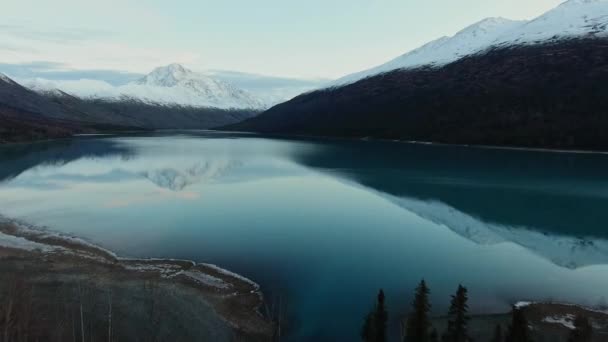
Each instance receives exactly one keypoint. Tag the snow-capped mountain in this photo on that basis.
(176, 84)
(570, 19)
(443, 50)
(168, 85)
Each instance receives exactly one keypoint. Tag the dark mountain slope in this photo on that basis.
(26, 115)
(132, 112)
(549, 95)
(160, 116)
(15, 96)
(17, 125)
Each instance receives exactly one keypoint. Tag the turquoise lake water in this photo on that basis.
(323, 224)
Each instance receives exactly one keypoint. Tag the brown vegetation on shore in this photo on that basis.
(64, 289)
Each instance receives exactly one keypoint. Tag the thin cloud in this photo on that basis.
(60, 71)
(17, 48)
(54, 35)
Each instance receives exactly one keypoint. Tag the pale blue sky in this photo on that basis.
(312, 39)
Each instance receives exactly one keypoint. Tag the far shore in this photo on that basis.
(303, 136)
(416, 142)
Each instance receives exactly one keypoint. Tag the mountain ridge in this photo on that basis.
(25, 114)
(541, 95)
(573, 18)
(171, 85)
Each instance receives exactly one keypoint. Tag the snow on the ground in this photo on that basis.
(565, 320)
(9, 241)
(167, 268)
(231, 274)
(522, 304)
(443, 50)
(206, 279)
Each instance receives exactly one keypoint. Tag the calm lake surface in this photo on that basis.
(324, 224)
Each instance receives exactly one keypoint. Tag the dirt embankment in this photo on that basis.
(57, 288)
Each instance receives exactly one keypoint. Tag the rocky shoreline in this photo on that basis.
(161, 299)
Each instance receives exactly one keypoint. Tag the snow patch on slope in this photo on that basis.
(566, 320)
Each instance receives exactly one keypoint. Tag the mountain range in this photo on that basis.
(536, 83)
(169, 85)
(168, 97)
(530, 83)
(574, 18)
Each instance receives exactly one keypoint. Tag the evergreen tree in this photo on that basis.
(375, 323)
(434, 337)
(583, 330)
(457, 317)
(518, 330)
(498, 334)
(418, 322)
(367, 331)
(381, 318)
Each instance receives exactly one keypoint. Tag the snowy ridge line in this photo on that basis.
(168, 86)
(26, 234)
(5, 78)
(571, 19)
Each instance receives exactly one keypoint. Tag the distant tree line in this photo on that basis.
(418, 326)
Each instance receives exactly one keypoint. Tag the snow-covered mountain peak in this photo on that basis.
(174, 67)
(487, 25)
(443, 50)
(573, 18)
(189, 88)
(166, 76)
(171, 85)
